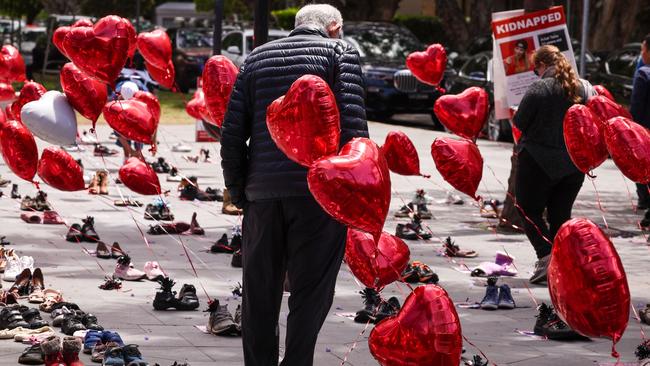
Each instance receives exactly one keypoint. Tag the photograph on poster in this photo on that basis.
(518, 55)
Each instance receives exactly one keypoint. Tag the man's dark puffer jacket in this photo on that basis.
(259, 170)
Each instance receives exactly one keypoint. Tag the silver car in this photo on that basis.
(237, 45)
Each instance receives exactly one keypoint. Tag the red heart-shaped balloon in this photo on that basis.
(629, 145)
(30, 92)
(3, 122)
(219, 75)
(428, 66)
(151, 101)
(426, 331)
(587, 281)
(605, 108)
(400, 153)
(7, 92)
(459, 162)
(100, 51)
(165, 76)
(12, 66)
(601, 90)
(376, 265)
(155, 47)
(304, 123)
(9, 114)
(58, 169)
(60, 32)
(85, 94)
(359, 174)
(584, 139)
(140, 177)
(464, 114)
(19, 149)
(132, 119)
(196, 106)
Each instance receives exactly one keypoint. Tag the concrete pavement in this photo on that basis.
(165, 337)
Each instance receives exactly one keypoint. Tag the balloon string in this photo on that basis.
(600, 206)
(479, 350)
(638, 319)
(634, 207)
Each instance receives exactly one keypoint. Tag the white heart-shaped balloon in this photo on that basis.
(51, 118)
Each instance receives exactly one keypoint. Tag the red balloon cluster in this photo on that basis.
(140, 177)
(58, 169)
(428, 66)
(359, 174)
(19, 149)
(629, 145)
(99, 51)
(464, 114)
(219, 75)
(587, 281)
(304, 123)
(605, 108)
(426, 331)
(12, 66)
(601, 90)
(460, 164)
(7, 92)
(400, 153)
(376, 264)
(584, 139)
(30, 92)
(85, 94)
(132, 119)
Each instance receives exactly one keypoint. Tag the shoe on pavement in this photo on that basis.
(52, 218)
(387, 308)
(153, 271)
(102, 251)
(549, 325)
(124, 270)
(410, 274)
(505, 298)
(113, 357)
(228, 207)
(425, 273)
(132, 355)
(221, 321)
(180, 147)
(222, 246)
(173, 175)
(88, 232)
(541, 269)
(74, 234)
(453, 250)
(101, 150)
(32, 355)
(195, 228)
(14, 192)
(31, 218)
(236, 260)
(491, 299)
(371, 301)
(644, 314)
(70, 351)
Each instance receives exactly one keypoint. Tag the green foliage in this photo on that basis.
(428, 29)
(126, 9)
(27, 8)
(285, 18)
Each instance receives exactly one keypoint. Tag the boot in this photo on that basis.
(195, 228)
(52, 351)
(228, 207)
(88, 230)
(103, 182)
(71, 348)
(14, 192)
(93, 188)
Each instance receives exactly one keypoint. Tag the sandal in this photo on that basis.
(452, 250)
(51, 297)
(8, 298)
(37, 285)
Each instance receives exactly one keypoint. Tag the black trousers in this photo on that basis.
(642, 193)
(536, 191)
(293, 236)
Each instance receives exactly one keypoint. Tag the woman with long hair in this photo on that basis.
(546, 177)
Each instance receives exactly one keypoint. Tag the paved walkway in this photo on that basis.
(165, 337)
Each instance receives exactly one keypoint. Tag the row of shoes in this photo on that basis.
(124, 270)
(497, 297)
(418, 272)
(177, 227)
(53, 351)
(80, 233)
(48, 218)
(230, 247)
(16, 315)
(38, 203)
(375, 309)
(166, 298)
(221, 322)
(99, 183)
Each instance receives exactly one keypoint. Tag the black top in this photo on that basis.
(540, 117)
(258, 170)
(640, 104)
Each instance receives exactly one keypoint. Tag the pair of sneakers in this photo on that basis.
(497, 297)
(221, 322)
(124, 270)
(128, 355)
(375, 308)
(94, 337)
(166, 298)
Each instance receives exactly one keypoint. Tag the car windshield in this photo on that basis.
(194, 38)
(32, 36)
(392, 44)
(249, 40)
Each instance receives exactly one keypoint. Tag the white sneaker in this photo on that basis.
(73, 148)
(13, 269)
(27, 262)
(454, 199)
(87, 139)
(180, 147)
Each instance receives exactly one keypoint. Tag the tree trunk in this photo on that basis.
(613, 24)
(481, 17)
(455, 25)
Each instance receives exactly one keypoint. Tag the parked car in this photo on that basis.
(29, 37)
(238, 44)
(617, 71)
(191, 48)
(390, 87)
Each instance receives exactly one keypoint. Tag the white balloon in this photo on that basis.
(128, 89)
(51, 118)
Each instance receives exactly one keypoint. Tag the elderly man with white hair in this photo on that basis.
(284, 228)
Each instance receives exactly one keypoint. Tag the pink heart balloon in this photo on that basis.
(629, 145)
(166, 76)
(304, 123)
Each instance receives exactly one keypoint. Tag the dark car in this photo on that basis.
(390, 87)
(191, 47)
(617, 71)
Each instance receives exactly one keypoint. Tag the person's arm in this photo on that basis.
(528, 108)
(235, 131)
(640, 97)
(349, 90)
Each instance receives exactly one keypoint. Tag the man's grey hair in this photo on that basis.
(319, 15)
